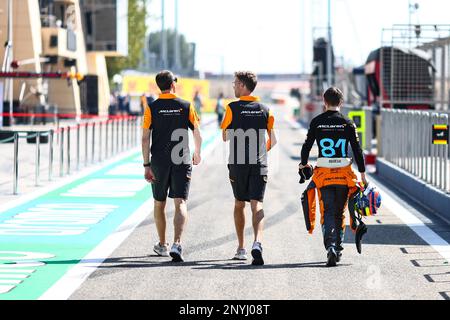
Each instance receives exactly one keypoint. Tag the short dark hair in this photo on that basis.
(333, 97)
(164, 80)
(248, 78)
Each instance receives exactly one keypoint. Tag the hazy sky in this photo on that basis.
(275, 36)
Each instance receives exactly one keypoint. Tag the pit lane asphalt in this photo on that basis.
(395, 263)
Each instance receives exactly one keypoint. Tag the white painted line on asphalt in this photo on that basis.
(64, 181)
(398, 207)
(17, 271)
(73, 279)
(10, 282)
(404, 213)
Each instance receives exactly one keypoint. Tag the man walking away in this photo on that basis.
(165, 136)
(333, 176)
(245, 125)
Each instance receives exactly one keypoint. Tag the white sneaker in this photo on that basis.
(161, 250)
(176, 253)
(257, 254)
(241, 254)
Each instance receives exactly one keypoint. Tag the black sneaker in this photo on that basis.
(332, 257)
(176, 253)
(339, 256)
(339, 250)
(257, 254)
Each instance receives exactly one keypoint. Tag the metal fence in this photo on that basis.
(406, 141)
(87, 142)
(415, 68)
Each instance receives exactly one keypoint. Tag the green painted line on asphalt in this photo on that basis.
(42, 239)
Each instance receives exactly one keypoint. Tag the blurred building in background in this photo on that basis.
(105, 25)
(62, 36)
(182, 63)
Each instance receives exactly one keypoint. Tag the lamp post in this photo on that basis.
(303, 32)
(330, 81)
(412, 8)
(163, 38)
(177, 64)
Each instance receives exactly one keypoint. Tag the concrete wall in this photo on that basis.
(28, 43)
(97, 66)
(416, 189)
(26, 40)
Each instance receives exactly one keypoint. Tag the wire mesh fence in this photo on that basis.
(407, 142)
(414, 69)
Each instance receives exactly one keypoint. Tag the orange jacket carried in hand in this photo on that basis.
(323, 177)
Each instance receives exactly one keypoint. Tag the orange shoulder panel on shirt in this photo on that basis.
(147, 122)
(193, 117)
(270, 121)
(227, 118)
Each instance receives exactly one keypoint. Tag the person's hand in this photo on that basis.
(363, 179)
(149, 175)
(300, 166)
(305, 172)
(196, 158)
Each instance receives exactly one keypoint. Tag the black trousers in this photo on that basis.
(334, 199)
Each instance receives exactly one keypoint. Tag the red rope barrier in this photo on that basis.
(64, 115)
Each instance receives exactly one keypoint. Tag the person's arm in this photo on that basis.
(306, 148)
(272, 140)
(357, 151)
(271, 132)
(224, 136)
(195, 126)
(198, 146)
(227, 119)
(146, 141)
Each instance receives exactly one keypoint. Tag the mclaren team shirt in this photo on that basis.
(247, 121)
(169, 118)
